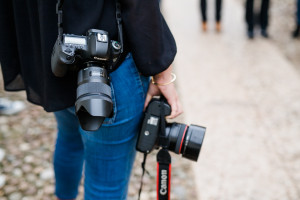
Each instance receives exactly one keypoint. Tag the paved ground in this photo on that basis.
(247, 94)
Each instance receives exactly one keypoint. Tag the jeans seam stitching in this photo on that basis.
(115, 103)
(113, 119)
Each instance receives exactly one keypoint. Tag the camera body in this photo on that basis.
(93, 56)
(74, 50)
(176, 137)
(149, 133)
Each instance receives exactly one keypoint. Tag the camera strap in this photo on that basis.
(163, 159)
(119, 23)
(163, 183)
(143, 173)
(59, 13)
(163, 175)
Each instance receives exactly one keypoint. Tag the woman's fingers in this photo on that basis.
(163, 85)
(170, 93)
(176, 109)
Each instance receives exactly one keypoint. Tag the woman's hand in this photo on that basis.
(168, 91)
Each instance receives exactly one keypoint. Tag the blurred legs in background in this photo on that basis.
(263, 17)
(203, 8)
(203, 12)
(296, 32)
(8, 107)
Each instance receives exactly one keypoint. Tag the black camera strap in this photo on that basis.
(163, 182)
(59, 13)
(163, 159)
(119, 23)
(163, 175)
(143, 173)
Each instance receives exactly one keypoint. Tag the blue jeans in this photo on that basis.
(107, 154)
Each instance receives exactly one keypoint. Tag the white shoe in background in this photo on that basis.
(8, 107)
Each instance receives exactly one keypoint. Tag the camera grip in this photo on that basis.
(60, 60)
(148, 134)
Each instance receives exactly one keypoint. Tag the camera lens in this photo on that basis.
(94, 101)
(193, 142)
(185, 140)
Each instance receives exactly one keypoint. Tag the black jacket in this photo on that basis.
(28, 30)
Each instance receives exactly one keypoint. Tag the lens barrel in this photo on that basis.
(185, 140)
(193, 142)
(93, 101)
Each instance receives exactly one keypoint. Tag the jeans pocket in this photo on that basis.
(129, 89)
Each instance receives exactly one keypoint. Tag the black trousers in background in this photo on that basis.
(203, 6)
(263, 15)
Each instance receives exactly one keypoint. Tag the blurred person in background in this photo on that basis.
(203, 8)
(8, 107)
(296, 32)
(263, 18)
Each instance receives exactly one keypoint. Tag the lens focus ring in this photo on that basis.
(93, 88)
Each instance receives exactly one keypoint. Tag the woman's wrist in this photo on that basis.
(164, 78)
(164, 81)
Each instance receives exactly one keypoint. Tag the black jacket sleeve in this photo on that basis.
(150, 39)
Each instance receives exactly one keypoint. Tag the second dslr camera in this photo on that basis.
(93, 55)
(176, 137)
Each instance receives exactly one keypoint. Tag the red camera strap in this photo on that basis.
(163, 175)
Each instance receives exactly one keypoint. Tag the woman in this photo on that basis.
(28, 32)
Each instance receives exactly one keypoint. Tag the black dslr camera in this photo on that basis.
(176, 137)
(93, 55)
